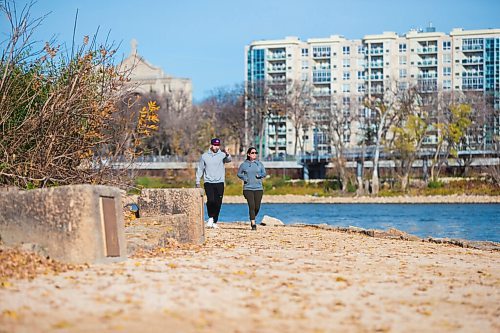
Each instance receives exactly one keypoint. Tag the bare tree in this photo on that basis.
(298, 110)
(340, 118)
(384, 114)
(229, 109)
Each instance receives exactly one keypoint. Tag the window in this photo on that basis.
(402, 73)
(305, 64)
(446, 58)
(305, 52)
(304, 76)
(447, 72)
(446, 45)
(446, 84)
(346, 63)
(346, 88)
(346, 101)
(402, 60)
(402, 86)
(361, 75)
(361, 87)
(361, 49)
(346, 50)
(346, 76)
(402, 47)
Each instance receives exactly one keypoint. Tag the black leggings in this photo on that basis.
(214, 192)
(253, 199)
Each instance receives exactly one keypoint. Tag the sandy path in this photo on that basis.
(278, 279)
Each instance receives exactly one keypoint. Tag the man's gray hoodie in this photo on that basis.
(211, 167)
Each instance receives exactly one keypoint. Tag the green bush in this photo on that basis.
(435, 184)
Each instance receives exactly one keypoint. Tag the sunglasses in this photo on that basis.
(253, 152)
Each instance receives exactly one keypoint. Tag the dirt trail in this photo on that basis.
(278, 279)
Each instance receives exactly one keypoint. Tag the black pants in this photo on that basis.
(214, 192)
(254, 199)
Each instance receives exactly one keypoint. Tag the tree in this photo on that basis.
(229, 108)
(383, 116)
(451, 124)
(340, 117)
(413, 127)
(298, 110)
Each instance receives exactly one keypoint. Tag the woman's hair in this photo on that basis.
(249, 150)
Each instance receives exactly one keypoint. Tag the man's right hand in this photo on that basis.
(197, 186)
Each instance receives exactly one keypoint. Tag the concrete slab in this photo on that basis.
(188, 201)
(74, 224)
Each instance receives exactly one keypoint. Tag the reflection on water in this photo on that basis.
(467, 221)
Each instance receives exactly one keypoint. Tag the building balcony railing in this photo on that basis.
(472, 61)
(427, 50)
(321, 68)
(321, 80)
(427, 76)
(276, 56)
(321, 93)
(475, 47)
(375, 77)
(430, 62)
(472, 74)
(377, 64)
(377, 51)
(321, 54)
(376, 90)
(276, 69)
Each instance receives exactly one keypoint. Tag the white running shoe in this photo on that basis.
(210, 222)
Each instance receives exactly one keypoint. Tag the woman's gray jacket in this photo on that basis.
(252, 173)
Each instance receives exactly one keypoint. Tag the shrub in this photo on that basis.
(59, 119)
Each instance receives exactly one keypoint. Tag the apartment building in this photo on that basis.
(341, 73)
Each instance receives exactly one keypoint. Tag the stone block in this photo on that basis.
(151, 232)
(188, 201)
(74, 224)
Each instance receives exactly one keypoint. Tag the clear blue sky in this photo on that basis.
(204, 40)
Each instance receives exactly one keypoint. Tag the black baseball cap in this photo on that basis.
(215, 142)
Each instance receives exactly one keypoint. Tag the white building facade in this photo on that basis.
(340, 74)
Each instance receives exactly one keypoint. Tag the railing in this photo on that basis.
(427, 50)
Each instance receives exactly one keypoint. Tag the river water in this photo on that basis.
(465, 221)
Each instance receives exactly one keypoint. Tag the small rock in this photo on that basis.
(271, 221)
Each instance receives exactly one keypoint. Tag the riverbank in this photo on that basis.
(277, 279)
(366, 199)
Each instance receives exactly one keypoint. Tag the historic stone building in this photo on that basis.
(147, 78)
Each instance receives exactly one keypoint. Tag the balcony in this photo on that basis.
(377, 50)
(473, 48)
(427, 50)
(473, 74)
(428, 63)
(376, 77)
(276, 56)
(321, 93)
(376, 64)
(427, 76)
(276, 69)
(321, 55)
(427, 85)
(472, 61)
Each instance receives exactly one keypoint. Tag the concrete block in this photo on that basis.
(74, 224)
(151, 232)
(188, 201)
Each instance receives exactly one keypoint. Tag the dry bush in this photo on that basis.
(59, 120)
